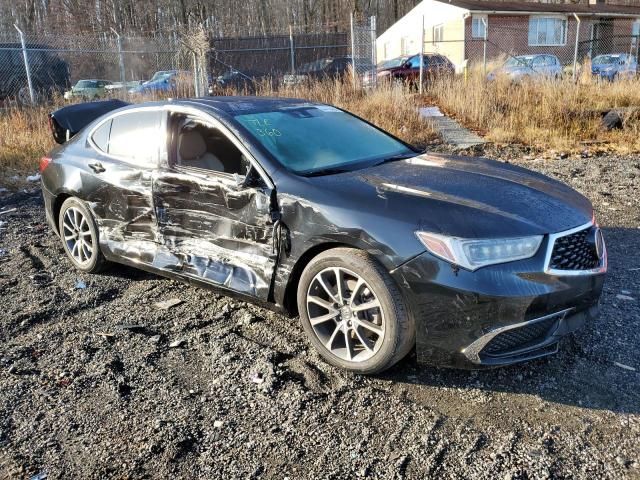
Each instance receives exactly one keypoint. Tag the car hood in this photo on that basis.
(461, 196)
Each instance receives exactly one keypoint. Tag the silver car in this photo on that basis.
(524, 67)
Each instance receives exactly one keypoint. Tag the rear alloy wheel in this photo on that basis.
(79, 236)
(353, 313)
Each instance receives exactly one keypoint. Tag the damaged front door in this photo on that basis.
(214, 210)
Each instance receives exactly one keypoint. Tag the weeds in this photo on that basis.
(544, 114)
(557, 114)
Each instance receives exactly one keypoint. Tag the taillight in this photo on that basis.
(44, 163)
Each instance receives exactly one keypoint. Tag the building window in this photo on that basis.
(635, 28)
(405, 46)
(386, 50)
(544, 31)
(438, 33)
(478, 26)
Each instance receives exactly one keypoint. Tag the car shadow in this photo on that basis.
(596, 368)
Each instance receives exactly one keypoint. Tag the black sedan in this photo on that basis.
(306, 208)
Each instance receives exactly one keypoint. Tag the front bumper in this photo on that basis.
(497, 315)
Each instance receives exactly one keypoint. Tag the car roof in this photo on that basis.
(233, 105)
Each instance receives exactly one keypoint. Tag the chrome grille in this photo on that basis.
(574, 252)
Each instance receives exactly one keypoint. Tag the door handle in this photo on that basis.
(97, 167)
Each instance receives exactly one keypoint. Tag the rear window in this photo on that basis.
(101, 136)
(136, 136)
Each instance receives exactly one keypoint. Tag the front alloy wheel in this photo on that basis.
(353, 312)
(345, 314)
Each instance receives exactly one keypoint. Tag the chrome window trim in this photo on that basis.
(601, 268)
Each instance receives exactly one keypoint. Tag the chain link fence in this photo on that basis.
(552, 46)
(35, 67)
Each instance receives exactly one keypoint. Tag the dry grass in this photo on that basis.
(25, 135)
(545, 114)
(548, 115)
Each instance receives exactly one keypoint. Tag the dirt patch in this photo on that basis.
(98, 382)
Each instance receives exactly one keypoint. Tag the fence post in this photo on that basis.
(120, 56)
(484, 49)
(374, 48)
(353, 51)
(575, 52)
(196, 74)
(293, 51)
(421, 55)
(26, 64)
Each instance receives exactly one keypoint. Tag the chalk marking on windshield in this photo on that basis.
(263, 127)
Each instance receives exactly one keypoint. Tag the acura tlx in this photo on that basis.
(375, 245)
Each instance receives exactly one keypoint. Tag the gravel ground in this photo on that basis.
(98, 382)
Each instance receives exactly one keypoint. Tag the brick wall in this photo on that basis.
(509, 35)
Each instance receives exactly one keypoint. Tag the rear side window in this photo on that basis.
(101, 136)
(136, 136)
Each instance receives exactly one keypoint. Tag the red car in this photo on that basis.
(407, 69)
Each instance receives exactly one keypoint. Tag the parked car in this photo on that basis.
(614, 66)
(244, 80)
(407, 69)
(308, 209)
(87, 89)
(116, 87)
(49, 74)
(526, 67)
(326, 69)
(164, 81)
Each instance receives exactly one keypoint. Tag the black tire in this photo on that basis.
(399, 328)
(95, 262)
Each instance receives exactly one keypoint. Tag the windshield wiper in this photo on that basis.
(395, 158)
(325, 171)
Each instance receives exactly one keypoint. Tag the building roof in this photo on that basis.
(531, 7)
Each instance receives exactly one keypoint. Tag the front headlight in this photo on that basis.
(473, 254)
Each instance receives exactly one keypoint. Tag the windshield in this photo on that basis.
(394, 62)
(316, 139)
(160, 76)
(86, 84)
(519, 62)
(608, 59)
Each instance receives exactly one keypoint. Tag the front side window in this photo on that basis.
(539, 61)
(544, 31)
(200, 145)
(318, 139)
(478, 26)
(414, 62)
(136, 136)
